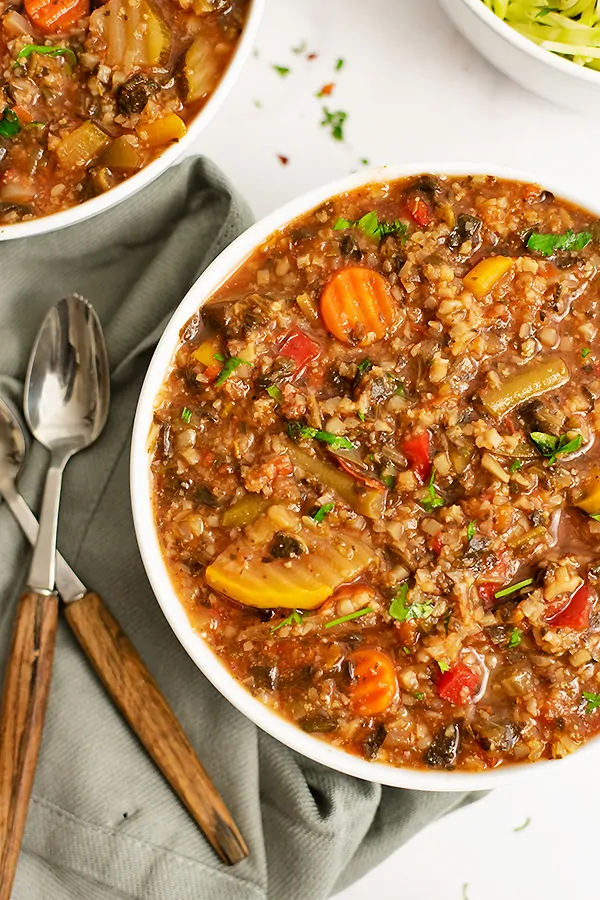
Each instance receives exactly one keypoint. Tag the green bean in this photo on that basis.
(530, 382)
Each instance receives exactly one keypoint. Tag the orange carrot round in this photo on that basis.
(357, 306)
(375, 685)
(52, 16)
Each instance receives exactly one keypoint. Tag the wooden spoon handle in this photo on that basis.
(137, 695)
(25, 695)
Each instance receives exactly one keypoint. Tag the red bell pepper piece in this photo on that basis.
(419, 211)
(459, 684)
(487, 593)
(416, 451)
(299, 348)
(437, 544)
(577, 612)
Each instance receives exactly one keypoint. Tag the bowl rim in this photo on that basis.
(214, 276)
(507, 33)
(73, 215)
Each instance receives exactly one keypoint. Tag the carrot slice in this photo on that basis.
(52, 16)
(357, 306)
(375, 683)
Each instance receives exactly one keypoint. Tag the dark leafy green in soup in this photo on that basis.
(376, 481)
(89, 94)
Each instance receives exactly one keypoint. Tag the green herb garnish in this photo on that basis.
(364, 162)
(219, 357)
(349, 617)
(339, 65)
(515, 466)
(28, 49)
(229, 368)
(274, 392)
(593, 701)
(282, 70)
(335, 120)
(389, 481)
(365, 365)
(361, 416)
(322, 511)
(551, 446)
(433, 501)
(444, 666)
(419, 695)
(585, 352)
(524, 825)
(513, 588)
(470, 531)
(9, 123)
(399, 611)
(295, 618)
(186, 415)
(516, 637)
(547, 244)
(295, 431)
(370, 225)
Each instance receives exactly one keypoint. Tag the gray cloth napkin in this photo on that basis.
(102, 823)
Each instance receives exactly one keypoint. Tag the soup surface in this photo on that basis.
(89, 94)
(375, 475)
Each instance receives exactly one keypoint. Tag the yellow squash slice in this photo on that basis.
(246, 571)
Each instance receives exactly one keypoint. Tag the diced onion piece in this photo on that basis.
(530, 382)
(199, 72)
(331, 559)
(81, 146)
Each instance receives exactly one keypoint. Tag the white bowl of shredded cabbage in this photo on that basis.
(551, 47)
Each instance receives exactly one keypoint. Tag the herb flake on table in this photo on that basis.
(401, 612)
(335, 119)
(339, 65)
(371, 225)
(547, 244)
(9, 123)
(301, 48)
(282, 70)
(551, 446)
(525, 824)
(229, 368)
(349, 617)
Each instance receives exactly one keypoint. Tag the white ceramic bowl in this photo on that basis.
(96, 205)
(204, 288)
(547, 74)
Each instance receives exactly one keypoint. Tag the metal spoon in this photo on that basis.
(66, 406)
(123, 673)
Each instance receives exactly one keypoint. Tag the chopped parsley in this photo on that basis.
(229, 368)
(551, 446)
(515, 638)
(295, 618)
(419, 695)
(322, 511)
(585, 352)
(335, 120)
(593, 701)
(364, 162)
(282, 70)
(433, 500)
(274, 392)
(444, 666)
(547, 244)
(370, 225)
(9, 123)
(66, 52)
(471, 531)
(349, 617)
(402, 613)
(295, 431)
(219, 357)
(389, 481)
(515, 466)
(339, 65)
(513, 588)
(524, 825)
(365, 365)
(186, 415)
(361, 416)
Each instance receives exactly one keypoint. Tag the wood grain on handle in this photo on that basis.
(137, 695)
(25, 695)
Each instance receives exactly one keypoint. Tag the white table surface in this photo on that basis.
(414, 90)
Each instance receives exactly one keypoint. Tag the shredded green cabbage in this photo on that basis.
(570, 28)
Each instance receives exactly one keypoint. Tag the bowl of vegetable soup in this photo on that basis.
(365, 482)
(551, 48)
(99, 99)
